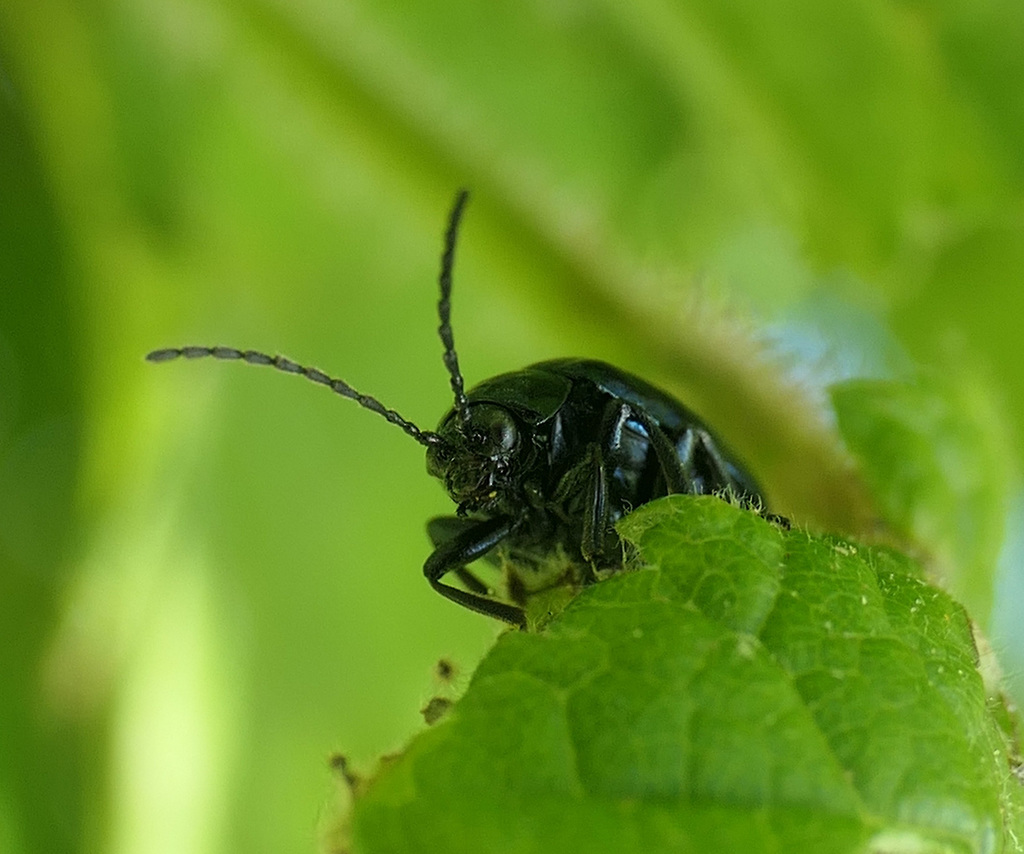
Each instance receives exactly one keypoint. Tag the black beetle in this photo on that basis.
(541, 462)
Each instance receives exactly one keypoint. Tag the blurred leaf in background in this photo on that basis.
(211, 573)
(40, 446)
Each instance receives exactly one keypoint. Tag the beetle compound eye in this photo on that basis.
(493, 430)
(438, 458)
(504, 435)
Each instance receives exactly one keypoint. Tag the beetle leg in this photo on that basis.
(602, 453)
(703, 466)
(441, 529)
(717, 474)
(743, 488)
(676, 477)
(714, 469)
(597, 514)
(595, 518)
(472, 542)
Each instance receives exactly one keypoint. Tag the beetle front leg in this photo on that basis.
(441, 529)
(466, 546)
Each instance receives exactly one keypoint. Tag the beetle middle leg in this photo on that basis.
(677, 478)
(597, 515)
(474, 541)
(679, 470)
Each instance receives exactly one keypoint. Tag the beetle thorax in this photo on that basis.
(479, 458)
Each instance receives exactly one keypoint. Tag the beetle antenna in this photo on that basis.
(424, 437)
(444, 306)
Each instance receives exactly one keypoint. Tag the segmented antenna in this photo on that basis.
(424, 437)
(444, 306)
(451, 359)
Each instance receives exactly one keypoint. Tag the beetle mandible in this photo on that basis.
(539, 461)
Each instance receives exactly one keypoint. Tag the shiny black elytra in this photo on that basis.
(541, 462)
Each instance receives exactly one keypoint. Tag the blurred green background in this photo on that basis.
(209, 574)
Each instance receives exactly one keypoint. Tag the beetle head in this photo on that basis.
(477, 457)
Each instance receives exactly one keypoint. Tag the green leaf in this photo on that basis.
(746, 688)
(939, 464)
